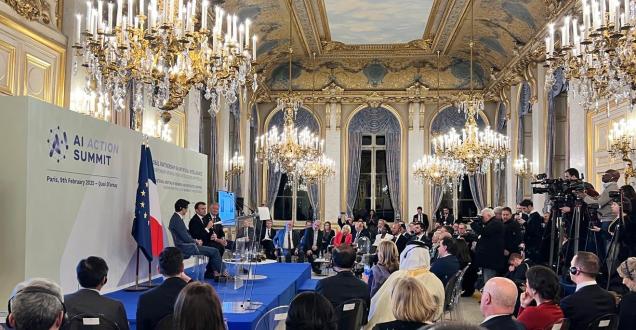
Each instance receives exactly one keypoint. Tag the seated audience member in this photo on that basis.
(92, 276)
(287, 241)
(414, 263)
(388, 262)
(447, 229)
(311, 311)
(267, 239)
(542, 287)
(383, 234)
(517, 269)
(344, 285)
(498, 303)
(419, 233)
(36, 304)
(468, 236)
(413, 307)
(438, 236)
(197, 308)
(627, 307)
(327, 235)
(446, 265)
(463, 253)
(360, 231)
(343, 237)
(158, 302)
(589, 301)
(311, 245)
(188, 245)
(400, 237)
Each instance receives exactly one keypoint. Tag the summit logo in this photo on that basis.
(58, 144)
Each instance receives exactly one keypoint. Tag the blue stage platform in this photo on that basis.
(282, 283)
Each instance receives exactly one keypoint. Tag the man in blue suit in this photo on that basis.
(446, 265)
(287, 241)
(190, 246)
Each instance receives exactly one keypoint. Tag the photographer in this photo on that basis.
(604, 201)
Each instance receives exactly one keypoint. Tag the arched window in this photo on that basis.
(279, 190)
(374, 164)
(446, 119)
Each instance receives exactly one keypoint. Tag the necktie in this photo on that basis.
(289, 240)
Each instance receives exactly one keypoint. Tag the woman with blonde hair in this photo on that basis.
(343, 237)
(388, 262)
(413, 307)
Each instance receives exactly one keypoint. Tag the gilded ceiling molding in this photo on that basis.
(416, 91)
(336, 49)
(374, 100)
(530, 52)
(411, 114)
(33, 10)
(328, 115)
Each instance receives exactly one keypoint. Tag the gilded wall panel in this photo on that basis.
(37, 78)
(7, 68)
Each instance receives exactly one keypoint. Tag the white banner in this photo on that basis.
(81, 180)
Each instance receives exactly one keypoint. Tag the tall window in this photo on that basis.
(284, 202)
(465, 203)
(373, 188)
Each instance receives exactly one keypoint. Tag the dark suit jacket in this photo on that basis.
(445, 268)
(279, 239)
(158, 302)
(448, 221)
(182, 238)
(627, 313)
(534, 236)
(241, 232)
(401, 242)
(512, 236)
(218, 227)
(425, 221)
(504, 322)
(91, 302)
(342, 287)
(309, 238)
(364, 232)
(583, 306)
(196, 227)
(272, 233)
(490, 246)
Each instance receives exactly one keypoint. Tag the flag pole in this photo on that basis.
(149, 284)
(137, 287)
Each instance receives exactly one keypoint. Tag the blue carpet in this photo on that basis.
(282, 283)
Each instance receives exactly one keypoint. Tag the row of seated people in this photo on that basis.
(414, 294)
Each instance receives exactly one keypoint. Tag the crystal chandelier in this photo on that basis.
(318, 170)
(622, 138)
(163, 50)
(289, 149)
(596, 50)
(477, 150)
(522, 167)
(439, 171)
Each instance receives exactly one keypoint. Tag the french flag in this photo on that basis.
(147, 228)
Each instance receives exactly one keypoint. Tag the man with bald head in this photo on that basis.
(498, 303)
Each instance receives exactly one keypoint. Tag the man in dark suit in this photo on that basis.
(512, 232)
(159, 302)
(359, 231)
(267, 239)
(246, 233)
(311, 245)
(203, 227)
(400, 238)
(344, 285)
(535, 227)
(589, 301)
(446, 265)
(287, 241)
(446, 219)
(92, 276)
(489, 252)
(498, 303)
(419, 234)
(190, 246)
(422, 218)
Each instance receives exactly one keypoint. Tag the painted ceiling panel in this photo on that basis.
(377, 21)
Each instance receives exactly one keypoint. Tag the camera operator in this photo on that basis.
(604, 201)
(571, 175)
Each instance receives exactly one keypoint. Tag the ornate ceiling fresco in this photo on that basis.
(373, 45)
(377, 22)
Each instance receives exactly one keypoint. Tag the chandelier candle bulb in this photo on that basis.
(241, 30)
(141, 7)
(109, 28)
(130, 12)
(247, 33)
(204, 14)
(119, 12)
(78, 29)
(254, 48)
